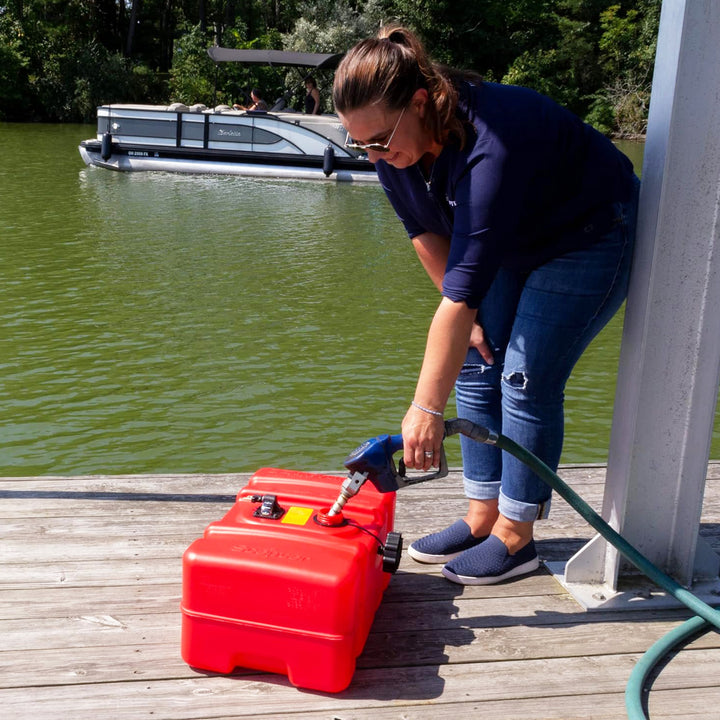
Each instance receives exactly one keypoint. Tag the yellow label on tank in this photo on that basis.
(297, 515)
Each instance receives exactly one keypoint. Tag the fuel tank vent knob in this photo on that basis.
(392, 552)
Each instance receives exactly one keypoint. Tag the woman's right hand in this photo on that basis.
(446, 349)
(423, 435)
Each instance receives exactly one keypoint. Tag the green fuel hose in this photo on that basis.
(706, 618)
(636, 683)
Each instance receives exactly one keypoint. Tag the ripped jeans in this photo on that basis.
(538, 324)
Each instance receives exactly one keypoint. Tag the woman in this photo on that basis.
(312, 98)
(523, 217)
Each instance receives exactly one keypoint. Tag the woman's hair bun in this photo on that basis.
(397, 35)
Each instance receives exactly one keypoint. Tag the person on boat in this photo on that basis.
(312, 99)
(524, 218)
(257, 102)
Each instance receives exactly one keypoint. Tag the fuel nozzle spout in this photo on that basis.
(347, 490)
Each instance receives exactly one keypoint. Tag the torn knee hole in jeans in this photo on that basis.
(517, 380)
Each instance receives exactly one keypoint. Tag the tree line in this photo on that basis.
(60, 59)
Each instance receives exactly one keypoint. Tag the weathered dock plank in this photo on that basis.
(90, 585)
(463, 685)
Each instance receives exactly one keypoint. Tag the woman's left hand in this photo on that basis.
(423, 434)
(480, 343)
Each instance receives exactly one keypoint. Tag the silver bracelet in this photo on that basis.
(427, 410)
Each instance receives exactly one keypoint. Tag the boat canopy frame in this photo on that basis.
(275, 59)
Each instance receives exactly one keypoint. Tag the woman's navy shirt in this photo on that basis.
(531, 182)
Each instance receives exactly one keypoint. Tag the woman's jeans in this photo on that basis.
(538, 324)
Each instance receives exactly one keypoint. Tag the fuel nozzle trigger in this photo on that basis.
(374, 460)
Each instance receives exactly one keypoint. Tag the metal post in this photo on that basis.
(670, 356)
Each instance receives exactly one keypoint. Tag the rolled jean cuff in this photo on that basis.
(477, 490)
(522, 511)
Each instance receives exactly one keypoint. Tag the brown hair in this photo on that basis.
(389, 69)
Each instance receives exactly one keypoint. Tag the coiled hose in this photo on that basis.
(706, 618)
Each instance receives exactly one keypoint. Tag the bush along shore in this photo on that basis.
(59, 61)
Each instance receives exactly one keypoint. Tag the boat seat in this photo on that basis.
(198, 107)
(282, 104)
(222, 108)
(178, 107)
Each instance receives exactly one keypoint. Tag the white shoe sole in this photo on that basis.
(527, 567)
(422, 557)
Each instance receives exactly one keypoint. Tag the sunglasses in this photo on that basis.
(374, 146)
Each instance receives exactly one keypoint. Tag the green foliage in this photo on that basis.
(330, 26)
(593, 56)
(60, 58)
(564, 71)
(627, 51)
(601, 115)
(75, 81)
(196, 78)
(192, 69)
(13, 74)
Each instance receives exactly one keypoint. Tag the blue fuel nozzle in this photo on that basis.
(374, 459)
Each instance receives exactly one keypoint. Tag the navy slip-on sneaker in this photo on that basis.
(445, 545)
(490, 563)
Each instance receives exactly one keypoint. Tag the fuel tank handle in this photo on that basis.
(269, 507)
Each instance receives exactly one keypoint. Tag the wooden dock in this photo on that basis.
(90, 585)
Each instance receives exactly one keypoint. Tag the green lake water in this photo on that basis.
(156, 323)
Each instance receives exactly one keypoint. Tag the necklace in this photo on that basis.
(428, 180)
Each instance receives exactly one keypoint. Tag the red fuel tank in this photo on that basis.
(278, 586)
